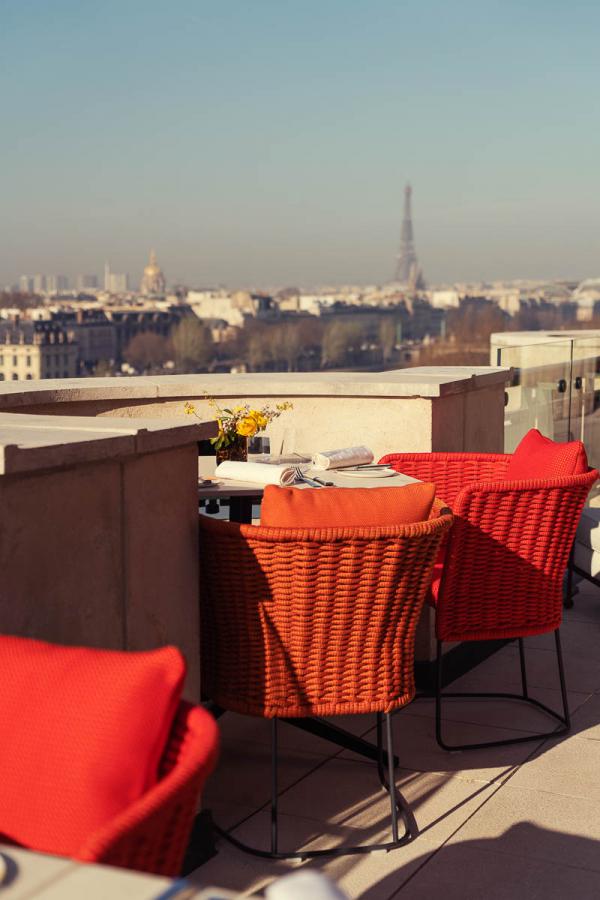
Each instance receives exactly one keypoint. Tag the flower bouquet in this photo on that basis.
(237, 425)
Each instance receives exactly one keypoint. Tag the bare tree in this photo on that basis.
(191, 343)
(289, 342)
(387, 337)
(340, 340)
(259, 349)
(147, 351)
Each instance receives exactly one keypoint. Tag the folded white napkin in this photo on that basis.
(337, 459)
(257, 473)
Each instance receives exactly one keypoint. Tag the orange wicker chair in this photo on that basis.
(152, 834)
(315, 622)
(504, 561)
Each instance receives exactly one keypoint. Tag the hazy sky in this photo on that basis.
(268, 142)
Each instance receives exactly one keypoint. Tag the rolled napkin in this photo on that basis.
(257, 473)
(338, 459)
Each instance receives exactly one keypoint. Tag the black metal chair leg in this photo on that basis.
(564, 719)
(568, 601)
(274, 787)
(523, 669)
(399, 808)
(438, 695)
(391, 779)
(563, 684)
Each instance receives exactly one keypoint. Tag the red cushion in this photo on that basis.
(338, 507)
(82, 732)
(539, 457)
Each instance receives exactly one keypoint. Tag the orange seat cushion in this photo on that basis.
(338, 507)
(540, 457)
(82, 732)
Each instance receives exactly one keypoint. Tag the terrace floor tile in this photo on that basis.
(510, 822)
(567, 766)
(464, 872)
(537, 825)
(417, 750)
(346, 794)
(243, 773)
(496, 713)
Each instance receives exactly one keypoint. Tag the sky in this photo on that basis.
(268, 142)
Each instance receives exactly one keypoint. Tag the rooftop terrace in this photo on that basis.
(511, 822)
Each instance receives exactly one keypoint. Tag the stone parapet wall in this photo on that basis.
(98, 485)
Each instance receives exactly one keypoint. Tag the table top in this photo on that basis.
(30, 875)
(229, 488)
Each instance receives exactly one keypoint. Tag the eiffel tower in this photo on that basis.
(407, 269)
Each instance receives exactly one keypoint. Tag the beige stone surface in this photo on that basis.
(430, 381)
(160, 521)
(27, 875)
(30, 442)
(104, 554)
(473, 873)
(100, 883)
(508, 714)
(61, 555)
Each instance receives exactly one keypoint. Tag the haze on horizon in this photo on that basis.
(269, 143)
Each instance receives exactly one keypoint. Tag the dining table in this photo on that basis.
(242, 496)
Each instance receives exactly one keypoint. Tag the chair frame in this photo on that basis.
(564, 718)
(469, 483)
(399, 808)
(250, 583)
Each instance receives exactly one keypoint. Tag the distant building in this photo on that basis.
(86, 282)
(444, 299)
(93, 332)
(39, 284)
(129, 322)
(26, 284)
(231, 308)
(153, 281)
(115, 282)
(56, 283)
(31, 350)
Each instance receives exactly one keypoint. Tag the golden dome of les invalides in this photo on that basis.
(153, 281)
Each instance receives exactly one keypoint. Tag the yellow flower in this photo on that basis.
(246, 427)
(261, 421)
(190, 409)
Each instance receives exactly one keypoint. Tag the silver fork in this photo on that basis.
(300, 476)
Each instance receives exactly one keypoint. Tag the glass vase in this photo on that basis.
(237, 450)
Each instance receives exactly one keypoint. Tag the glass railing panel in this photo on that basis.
(539, 392)
(585, 402)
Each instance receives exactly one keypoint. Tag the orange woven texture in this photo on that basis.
(153, 833)
(298, 622)
(450, 472)
(509, 546)
(507, 555)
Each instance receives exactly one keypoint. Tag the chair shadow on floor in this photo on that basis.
(523, 862)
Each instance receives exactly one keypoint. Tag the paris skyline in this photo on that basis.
(271, 143)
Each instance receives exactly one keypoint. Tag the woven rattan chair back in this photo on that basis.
(301, 622)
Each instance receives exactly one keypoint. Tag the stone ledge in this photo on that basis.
(430, 381)
(30, 443)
